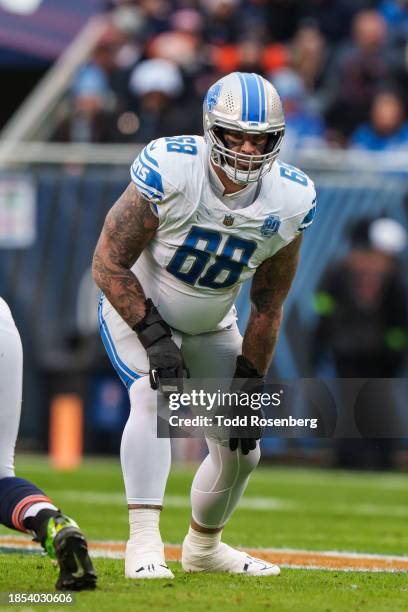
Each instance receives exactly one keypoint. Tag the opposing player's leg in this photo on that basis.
(145, 458)
(23, 506)
(222, 477)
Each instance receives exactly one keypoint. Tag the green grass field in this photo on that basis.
(291, 508)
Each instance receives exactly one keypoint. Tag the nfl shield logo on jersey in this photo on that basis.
(270, 226)
(228, 220)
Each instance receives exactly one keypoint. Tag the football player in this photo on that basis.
(199, 217)
(23, 506)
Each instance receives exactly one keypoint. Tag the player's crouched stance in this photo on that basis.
(201, 216)
(23, 506)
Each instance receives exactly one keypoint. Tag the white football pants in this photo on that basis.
(11, 376)
(223, 475)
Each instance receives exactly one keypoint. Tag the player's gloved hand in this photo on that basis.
(246, 380)
(167, 367)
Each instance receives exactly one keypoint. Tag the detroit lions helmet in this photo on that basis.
(244, 102)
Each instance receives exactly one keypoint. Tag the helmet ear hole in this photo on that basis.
(274, 139)
(221, 150)
(219, 133)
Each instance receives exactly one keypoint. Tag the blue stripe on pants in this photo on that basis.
(126, 375)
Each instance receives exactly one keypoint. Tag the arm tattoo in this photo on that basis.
(269, 289)
(128, 228)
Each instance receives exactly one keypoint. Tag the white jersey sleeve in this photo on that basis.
(150, 171)
(299, 196)
(309, 205)
(309, 216)
(162, 172)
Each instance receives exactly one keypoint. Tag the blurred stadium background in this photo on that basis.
(87, 83)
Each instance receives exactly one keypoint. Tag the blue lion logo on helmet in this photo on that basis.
(213, 95)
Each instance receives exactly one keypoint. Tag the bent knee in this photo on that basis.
(247, 463)
(233, 466)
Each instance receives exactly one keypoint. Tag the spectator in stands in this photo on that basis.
(157, 14)
(130, 23)
(304, 127)
(89, 118)
(207, 38)
(105, 59)
(180, 48)
(157, 85)
(365, 295)
(105, 51)
(333, 17)
(223, 22)
(357, 71)
(281, 17)
(362, 307)
(395, 13)
(387, 129)
(249, 55)
(309, 55)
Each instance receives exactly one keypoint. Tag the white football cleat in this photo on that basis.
(145, 565)
(224, 558)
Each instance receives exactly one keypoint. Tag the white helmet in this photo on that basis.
(247, 102)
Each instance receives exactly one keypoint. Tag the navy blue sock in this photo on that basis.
(16, 496)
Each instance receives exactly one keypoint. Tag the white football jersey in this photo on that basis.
(203, 251)
(6, 319)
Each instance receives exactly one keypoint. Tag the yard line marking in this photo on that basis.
(300, 476)
(247, 503)
(172, 501)
(322, 478)
(287, 557)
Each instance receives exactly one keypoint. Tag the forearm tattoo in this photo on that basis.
(128, 228)
(269, 289)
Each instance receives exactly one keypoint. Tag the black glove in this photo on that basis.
(165, 358)
(253, 383)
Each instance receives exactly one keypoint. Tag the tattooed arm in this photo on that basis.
(269, 289)
(129, 226)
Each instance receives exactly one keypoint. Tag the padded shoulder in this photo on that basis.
(298, 195)
(163, 168)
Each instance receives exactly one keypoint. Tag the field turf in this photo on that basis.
(291, 508)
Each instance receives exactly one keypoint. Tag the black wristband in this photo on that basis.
(152, 327)
(245, 369)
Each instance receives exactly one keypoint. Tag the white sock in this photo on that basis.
(35, 509)
(144, 531)
(203, 541)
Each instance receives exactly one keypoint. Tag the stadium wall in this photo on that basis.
(49, 288)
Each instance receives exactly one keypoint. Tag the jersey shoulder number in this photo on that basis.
(291, 173)
(301, 193)
(159, 169)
